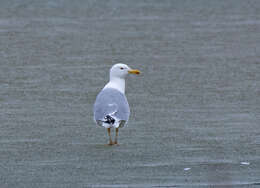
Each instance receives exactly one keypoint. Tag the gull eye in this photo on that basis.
(121, 68)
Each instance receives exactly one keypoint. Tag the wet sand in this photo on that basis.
(194, 109)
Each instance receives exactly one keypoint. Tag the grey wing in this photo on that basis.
(111, 102)
(103, 109)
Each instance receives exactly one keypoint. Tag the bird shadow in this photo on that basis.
(105, 146)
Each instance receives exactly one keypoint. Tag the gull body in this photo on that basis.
(111, 109)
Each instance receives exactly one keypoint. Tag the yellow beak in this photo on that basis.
(134, 71)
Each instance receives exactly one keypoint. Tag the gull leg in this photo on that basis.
(110, 139)
(117, 129)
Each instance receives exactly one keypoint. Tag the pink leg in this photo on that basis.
(110, 139)
(117, 129)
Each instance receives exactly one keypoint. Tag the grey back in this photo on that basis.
(111, 101)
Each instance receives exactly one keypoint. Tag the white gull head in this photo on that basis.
(118, 73)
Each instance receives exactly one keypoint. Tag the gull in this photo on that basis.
(111, 109)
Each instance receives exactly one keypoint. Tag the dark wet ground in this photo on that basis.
(195, 109)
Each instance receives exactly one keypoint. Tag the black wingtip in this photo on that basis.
(109, 119)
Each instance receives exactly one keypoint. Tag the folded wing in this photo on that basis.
(111, 108)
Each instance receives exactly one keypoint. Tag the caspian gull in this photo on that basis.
(111, 109)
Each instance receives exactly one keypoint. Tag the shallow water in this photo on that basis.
(194, 111)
